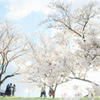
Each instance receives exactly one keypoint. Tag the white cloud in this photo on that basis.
(21, 8)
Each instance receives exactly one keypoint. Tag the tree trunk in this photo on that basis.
(54, 91)
(53, 95)
(0, 82)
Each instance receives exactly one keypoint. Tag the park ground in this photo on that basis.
(25, 98)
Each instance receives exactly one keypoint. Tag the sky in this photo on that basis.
(28, 14)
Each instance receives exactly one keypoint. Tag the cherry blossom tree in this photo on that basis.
(12, 47)
(49, 64)
(57, 60)
(82, 25)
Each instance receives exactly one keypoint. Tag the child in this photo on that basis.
(50, 92)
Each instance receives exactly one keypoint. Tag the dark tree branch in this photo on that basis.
(8, 76)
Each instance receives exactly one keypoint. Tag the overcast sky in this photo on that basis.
(28, 14)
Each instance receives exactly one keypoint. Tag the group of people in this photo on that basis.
(10, 90)
(43, 92)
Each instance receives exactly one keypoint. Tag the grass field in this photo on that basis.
(22, 98)
(95, 98)
(26, 98)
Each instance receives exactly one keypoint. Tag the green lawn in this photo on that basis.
(26, 98)
(86, 98)
(31, 98)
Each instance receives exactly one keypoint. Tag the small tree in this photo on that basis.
(49, 65)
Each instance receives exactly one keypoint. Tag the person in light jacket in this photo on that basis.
(14, 90)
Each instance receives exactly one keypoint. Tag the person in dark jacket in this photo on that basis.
(43, 92)
(7, 90)
(10, 89)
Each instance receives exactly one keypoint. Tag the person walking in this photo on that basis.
(43, 92)
(14, 90)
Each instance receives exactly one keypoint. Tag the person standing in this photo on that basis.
(14, 90)
(10, 89)
(7, 90)
(50, 92)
